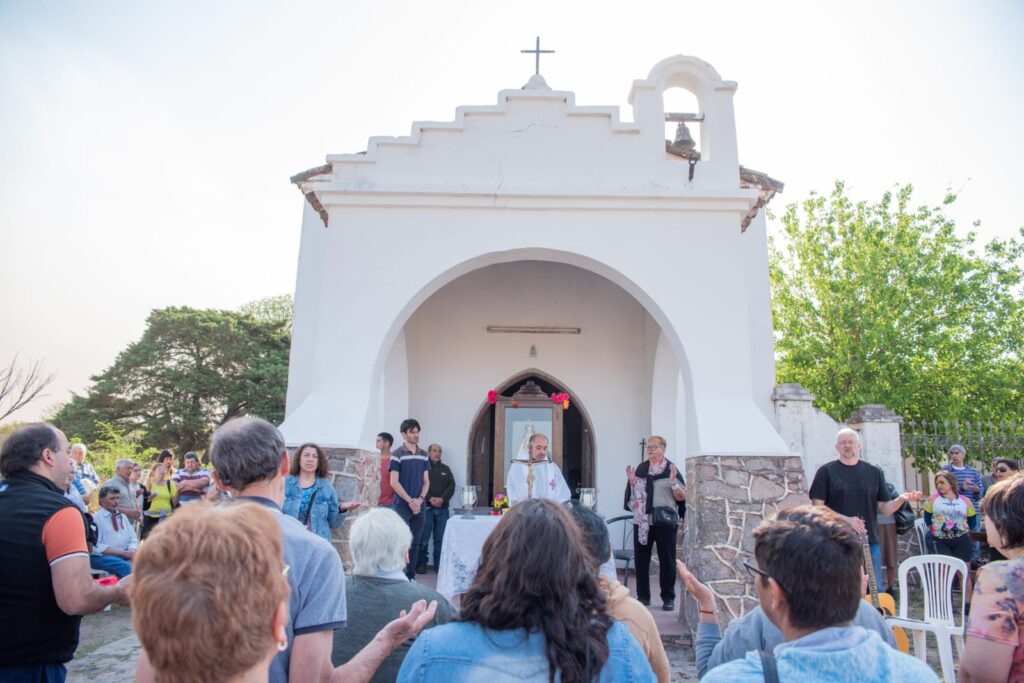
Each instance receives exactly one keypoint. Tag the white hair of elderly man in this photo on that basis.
(379, 542)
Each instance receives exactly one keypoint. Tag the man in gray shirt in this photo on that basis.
(251, 463)
(128, 503)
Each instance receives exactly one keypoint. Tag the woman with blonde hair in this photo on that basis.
(210, 582)
(655, 495)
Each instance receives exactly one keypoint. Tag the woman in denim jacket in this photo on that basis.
(309, 497)
(534, 612)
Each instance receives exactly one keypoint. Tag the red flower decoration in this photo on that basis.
(515, 404)
(492, 397)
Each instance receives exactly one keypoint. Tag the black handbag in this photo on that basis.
(665, 516)
(904, 516)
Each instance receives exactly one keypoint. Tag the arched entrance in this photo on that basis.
(577, 437)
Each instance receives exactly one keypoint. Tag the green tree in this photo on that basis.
(110, 445)
(881, 303)
(190, 372)
(273, 309)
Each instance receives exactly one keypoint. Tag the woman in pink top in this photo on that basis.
(995, 629)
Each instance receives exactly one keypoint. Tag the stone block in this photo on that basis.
(793, 464)
(792, 500)
(714, 570)
(729, 588)
(705, 472)
(760, 464)
(763, 488)
(736, 477)
(720, 489)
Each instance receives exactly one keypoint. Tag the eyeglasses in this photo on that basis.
(654, 447)
(756, 571)
(1001, 470)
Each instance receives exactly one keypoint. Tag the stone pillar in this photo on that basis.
(726, 498)
(355, 474)
(879, 430)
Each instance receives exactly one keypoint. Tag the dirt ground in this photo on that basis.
(108, 650)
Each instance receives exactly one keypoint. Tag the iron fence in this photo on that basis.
(925, 444)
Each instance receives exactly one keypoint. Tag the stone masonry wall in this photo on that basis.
(727, 497)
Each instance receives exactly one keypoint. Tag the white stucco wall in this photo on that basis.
(668, 416)
(537, 178)
(395, 389)
(762, 354)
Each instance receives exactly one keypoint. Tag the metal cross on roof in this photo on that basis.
(538, 52)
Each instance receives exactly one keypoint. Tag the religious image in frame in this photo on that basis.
(520, 425)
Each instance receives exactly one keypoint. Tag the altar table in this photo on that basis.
(460, 552)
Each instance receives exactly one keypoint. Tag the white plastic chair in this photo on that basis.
(922, 535)
(941, 616)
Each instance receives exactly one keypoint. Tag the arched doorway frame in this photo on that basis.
(608, 271)
(589, 468)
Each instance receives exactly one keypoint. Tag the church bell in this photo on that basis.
(684, 142)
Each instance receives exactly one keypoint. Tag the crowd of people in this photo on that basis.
(248, 541)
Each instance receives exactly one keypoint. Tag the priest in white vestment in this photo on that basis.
(548, 481)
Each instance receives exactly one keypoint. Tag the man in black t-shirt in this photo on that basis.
(856, 490)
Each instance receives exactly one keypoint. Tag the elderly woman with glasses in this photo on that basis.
(655, 495)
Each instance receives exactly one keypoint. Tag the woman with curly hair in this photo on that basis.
(309, 496)
(533, 612)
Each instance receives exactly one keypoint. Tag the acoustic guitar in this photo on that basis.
(883, 602)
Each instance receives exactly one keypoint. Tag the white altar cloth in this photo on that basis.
(460, 552)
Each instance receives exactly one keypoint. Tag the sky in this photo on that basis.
(145, 148)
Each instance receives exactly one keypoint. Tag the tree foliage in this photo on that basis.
(190, 372)
(110, 445)
(273, 309)
(882, 303)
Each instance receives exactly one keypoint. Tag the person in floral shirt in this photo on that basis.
(995, 629)
(950, 517)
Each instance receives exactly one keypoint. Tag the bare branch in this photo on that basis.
(19, 386)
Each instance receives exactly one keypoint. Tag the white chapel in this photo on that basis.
(536, 247)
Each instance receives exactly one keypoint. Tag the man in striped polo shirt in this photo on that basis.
(191, 481)
(410, 478)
